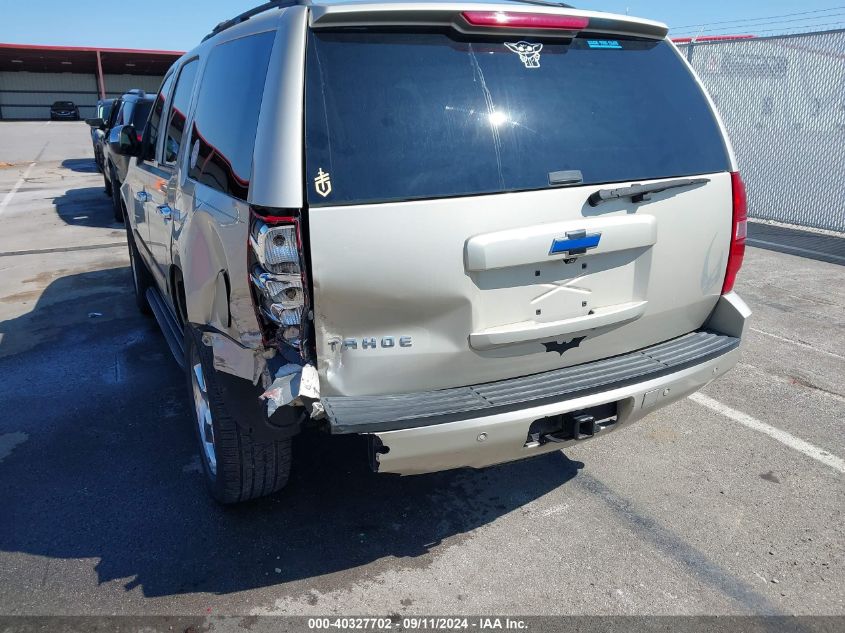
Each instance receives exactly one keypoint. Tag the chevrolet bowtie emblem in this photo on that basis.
(575, 243)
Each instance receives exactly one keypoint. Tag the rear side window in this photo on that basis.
(395, 116)
(179, 111)
(226, 116)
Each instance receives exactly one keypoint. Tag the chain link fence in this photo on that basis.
(783, 102)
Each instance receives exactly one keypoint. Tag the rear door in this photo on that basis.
(148, 178)
(161, 207)
(452, 239)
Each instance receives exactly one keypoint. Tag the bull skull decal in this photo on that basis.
(529, 54)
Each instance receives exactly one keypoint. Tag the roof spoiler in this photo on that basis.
(440, 14)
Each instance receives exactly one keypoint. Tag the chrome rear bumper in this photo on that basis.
(487, 424)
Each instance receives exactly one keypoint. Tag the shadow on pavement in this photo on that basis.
(86, 206)
(818, 246)
(109, 470)
(82, 165)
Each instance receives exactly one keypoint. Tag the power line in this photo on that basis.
(770, 17)
(831, 25)
(754, 26)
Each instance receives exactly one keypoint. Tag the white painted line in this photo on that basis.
(808, 251)
(798, 343)
(783, 437)
(8, 197)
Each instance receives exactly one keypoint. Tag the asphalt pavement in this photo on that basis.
(731, 503)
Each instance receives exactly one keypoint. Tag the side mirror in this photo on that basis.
(128, 141)
(98, 123)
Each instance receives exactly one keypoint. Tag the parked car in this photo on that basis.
(97, 129)
(64, 111)
(127, 112)
(480, 238)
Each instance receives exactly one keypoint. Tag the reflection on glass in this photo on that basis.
(497, 118)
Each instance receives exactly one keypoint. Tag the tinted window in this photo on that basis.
(179, 111)
(140, 113)
(126, 112)
(154, 122)
(413, 115)
(226, 117)
(115, 112)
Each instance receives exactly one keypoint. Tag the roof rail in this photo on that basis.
(246, 15)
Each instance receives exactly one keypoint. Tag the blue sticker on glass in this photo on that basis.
(605, 44)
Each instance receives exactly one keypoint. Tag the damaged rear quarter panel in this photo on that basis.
(212, 245)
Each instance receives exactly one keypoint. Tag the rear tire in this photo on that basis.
(142, 280)
(107, 182)
(237, 466)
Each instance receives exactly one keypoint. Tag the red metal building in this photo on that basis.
(33, 77)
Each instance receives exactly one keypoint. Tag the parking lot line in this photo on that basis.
(8, 197)
(798, 343)
(783, 437)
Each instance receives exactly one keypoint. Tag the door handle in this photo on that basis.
(527, 331)
(165, 211)
(142, 196)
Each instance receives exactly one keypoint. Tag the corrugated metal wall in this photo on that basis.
(117, 85)
(26, 95)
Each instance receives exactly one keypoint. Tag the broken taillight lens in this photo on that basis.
(277, 274)
(739, 230)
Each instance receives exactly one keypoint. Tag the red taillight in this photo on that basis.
(739, 230)
(139, 136)
(508, 19)
(278, 275)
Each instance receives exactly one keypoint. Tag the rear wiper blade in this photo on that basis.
(639, 193)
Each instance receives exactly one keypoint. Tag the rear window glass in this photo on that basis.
(397, 116)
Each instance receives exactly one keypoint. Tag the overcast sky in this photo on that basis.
(181, 24)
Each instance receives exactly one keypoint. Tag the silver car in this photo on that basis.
(473, 232)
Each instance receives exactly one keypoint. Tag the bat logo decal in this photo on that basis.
(561, 348)
(529, 54)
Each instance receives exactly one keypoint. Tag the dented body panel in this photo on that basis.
(472, 269)
(405, 294)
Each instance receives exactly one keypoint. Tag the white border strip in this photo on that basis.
(783, 437)
(8, 197)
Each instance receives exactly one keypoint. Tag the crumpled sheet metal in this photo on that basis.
(294, 384)
(233, 358)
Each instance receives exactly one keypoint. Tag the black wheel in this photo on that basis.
(141, 277)
(116, 202)
(237, 465)
(107, 182)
